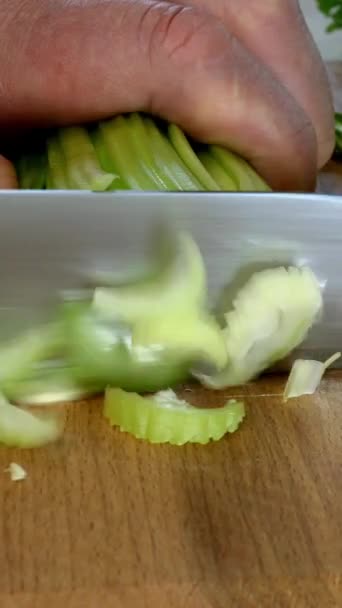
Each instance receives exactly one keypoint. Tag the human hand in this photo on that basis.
(242, 74)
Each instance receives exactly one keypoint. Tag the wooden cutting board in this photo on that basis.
(254, 520)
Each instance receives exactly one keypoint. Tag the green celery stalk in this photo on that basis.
(140, 141)
(235, 166)
(123, 153)
(168, 161)
(221, 177)
(188, 156)
(105, 159)
(82, 166)
(57, 175)
(31, 171)
(241, 170)
(338, 132)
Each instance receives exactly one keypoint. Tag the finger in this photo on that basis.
(275, 31)
(8, 178)
(79, 64)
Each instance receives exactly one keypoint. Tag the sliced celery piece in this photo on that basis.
(168, 162)
(271, 316)
(188, 156)
(225, 181)
(22, 429)
(57, 174)
(167, 419)
(179, 287)
(48, 383)
(82, 167)
(101, 353)
(197, 335)
(17, 357)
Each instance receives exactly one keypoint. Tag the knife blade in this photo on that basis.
(52, 243)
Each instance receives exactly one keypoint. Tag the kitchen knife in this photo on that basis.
(52, 243)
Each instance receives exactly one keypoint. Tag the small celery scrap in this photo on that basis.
(16, 472)
(305, 376)
(21, 429)
(164, 418)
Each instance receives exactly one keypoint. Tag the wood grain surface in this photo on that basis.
(255, 520)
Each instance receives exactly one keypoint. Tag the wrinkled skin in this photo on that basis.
(244, 73)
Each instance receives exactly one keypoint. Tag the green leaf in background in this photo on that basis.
(333, 10)
(338, 131)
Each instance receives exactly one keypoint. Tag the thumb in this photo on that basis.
(81, 61)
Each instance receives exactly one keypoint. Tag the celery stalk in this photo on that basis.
(168, 161)
(242, 173)
(188, 156)
(221, 177)
(57, 175)
(83, 169)
(105, 160)
(31, 171)
(123, 153)
(142, 145)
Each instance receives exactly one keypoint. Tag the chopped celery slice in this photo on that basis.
(82, 167)
(166, 419)
(21, 429)
(246, 178)
(271, 316)
(102, 353)
(179, 287)
(168, 162)
(188, 156)
(17, 357)
(48, 383)
(57, 178)
(225, 181)
(198, 336)
(305, 376)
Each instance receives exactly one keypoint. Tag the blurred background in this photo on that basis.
(330, 44)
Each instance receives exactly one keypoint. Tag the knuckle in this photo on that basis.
(184, 34)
